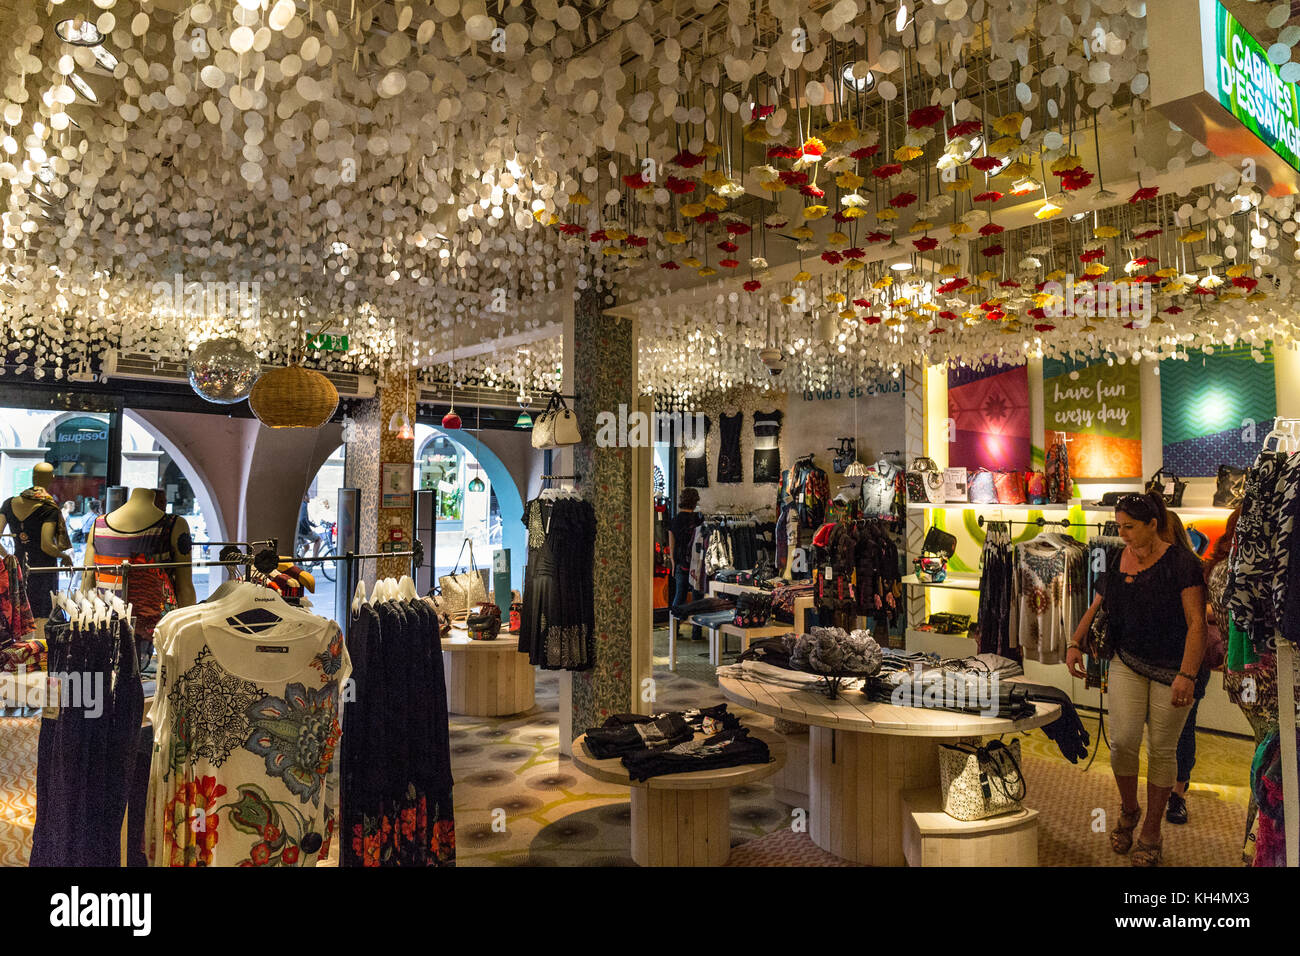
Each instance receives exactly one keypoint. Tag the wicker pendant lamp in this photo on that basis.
(293, 397)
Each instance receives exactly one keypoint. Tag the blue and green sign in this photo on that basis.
(1251, 88)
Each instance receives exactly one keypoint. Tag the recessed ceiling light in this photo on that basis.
(902, 265)
(82, 87)
(1079, 217)
(78, 32)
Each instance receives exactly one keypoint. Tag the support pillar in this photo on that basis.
(373, 446)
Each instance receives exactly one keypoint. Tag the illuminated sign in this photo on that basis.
(1251, 88)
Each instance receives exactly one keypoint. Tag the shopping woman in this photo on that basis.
(681, 534)
(1155, 606)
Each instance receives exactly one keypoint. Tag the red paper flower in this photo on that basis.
(854, 253)
(1043, 327)
(815, 192)
(1092, 255)
(598, 236)
(737, 228)
(1245, 282)
(1146, 192)
(877, 236)
(1144, 261)
(952, 285)
(990, 229)
(635, 181)
(964, 128)
(707, 216)
(1009, 284)
(833, 257)
(945, 314)
(925, 243)
(985, 163)
(991, 196)
(638, 241)
(1147, 234)
(994, 250)
(669, 265)
(679, 186)
(902, 199)
(813, 147)
(872, 320)
(1038, 313)
(1174, 310)
(1075, 179)
(862, 303)
(887, 170)
(839, 216)
(726, 246)
(865, 152)
(729, 263)
(1201, 290)
(793, 177)
(571, 229)
(763, 112)
(775, 225)
(782, 151)
(687, 160)
(924, 116)
(752, 285)
(937, 331)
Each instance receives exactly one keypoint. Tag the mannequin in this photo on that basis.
(139, 514)
(21, 514)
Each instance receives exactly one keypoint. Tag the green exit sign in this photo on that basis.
(327, 342)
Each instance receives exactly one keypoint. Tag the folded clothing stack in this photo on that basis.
(702, 606)
(659, 744)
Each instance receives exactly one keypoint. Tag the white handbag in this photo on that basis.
(566, 427)
(978, 782)
(544, 427)
(556, 426)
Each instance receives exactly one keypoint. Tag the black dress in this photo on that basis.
(557, 627)
(767, 447)
(697, 459)
(27, 545)
(729, 467)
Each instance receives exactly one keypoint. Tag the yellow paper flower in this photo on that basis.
(1056, 275)
(756, 132)
(1004, 146)
(1256, 297)
(539, 214)
(1168, 272)
(715, 202)
(884, 282)
(987, 275)
(801, 232)
(713, 177)
(921, 225)
(854, 212)
(893, 321)
(847, 313)
(802, 276)
(1096, 269)
(853, 265)
(959, 228)
(1240, 269)
(836, 297)
(959, 185)
(930, 307)
(1016, 170)
(949, 269)
(837, 238)
(1194, 235)
(675, 238)
(900, 303)
(579, 199)
(887, 215)
(693, 262)
(849, 180)
(773, 185)
(711, 149)
(1105, 232)
(1042, 299)
(616, 234)
(841, 131)
(905, 154)
(813, 149)
(692, 209)
(1047, 210)
(1066, 163)
(609, 251)
(707, 271)
(1009, 123)
(787, 300)
(814, 212)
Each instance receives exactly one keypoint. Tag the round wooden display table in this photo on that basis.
(486, 678)
(681, 819)
(862, 756)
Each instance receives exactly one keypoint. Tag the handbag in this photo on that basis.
(938, 541)
(1036, 488)
(845, 455)
(1169, 486)
(982, 489)
(462, 591)
(1010, 487)
(979, 782)
(484, 623)
(565, 425)
(924, 482)
(1099, 642)
(931, 568)
(954, 484)
(1231, 488)
(543, 435)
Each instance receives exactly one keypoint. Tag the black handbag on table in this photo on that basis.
(1168, 486)
(1231, 488)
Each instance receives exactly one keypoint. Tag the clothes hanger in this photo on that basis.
(406, 588)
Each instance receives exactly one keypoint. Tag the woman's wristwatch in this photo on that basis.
(1188, 676)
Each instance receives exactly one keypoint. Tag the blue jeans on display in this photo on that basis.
(682, 594)
(1187, 746)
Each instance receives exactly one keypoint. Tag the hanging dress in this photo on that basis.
(729, 467)
(151, 591)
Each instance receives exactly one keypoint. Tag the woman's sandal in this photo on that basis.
(1147, 854)
(1121, 838)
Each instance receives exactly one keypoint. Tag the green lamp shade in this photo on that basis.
(476, 484)
(524, 420)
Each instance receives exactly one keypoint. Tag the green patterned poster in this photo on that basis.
(1216, 409)
(1098, 408)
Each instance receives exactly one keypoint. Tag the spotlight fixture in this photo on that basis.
(860, 83)
(78, 32)
(1079, 217)
(106, 61)
(903, 19)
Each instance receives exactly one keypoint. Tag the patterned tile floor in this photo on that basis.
(519, 802)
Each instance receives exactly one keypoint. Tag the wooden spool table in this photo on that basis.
(863, 756)
(681, 819)
(486, 678)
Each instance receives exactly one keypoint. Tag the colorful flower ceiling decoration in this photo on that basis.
(423, 176)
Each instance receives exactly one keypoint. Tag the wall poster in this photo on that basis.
(989, 410)
(1216, 409)
(1098, 408)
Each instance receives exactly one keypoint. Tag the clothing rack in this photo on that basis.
(559, 477)
(1041, 522)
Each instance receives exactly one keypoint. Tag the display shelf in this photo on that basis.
(1053, 508)
(945, 645)
(960, 580)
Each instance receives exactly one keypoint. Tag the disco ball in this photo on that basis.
(223, 371)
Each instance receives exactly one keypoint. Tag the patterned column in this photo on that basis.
(372, 446)
(914, 447)
(605, 376)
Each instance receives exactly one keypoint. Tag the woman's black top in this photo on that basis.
(1146, 617)
(683, 528)
(27, 545)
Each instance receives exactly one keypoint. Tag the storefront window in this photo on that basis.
(467, 506)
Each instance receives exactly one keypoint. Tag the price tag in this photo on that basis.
(829, 573)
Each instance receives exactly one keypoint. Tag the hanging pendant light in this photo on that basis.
(451, 419)
(476, 483)
(524, 420)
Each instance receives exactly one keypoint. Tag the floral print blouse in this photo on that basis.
(247, 719)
